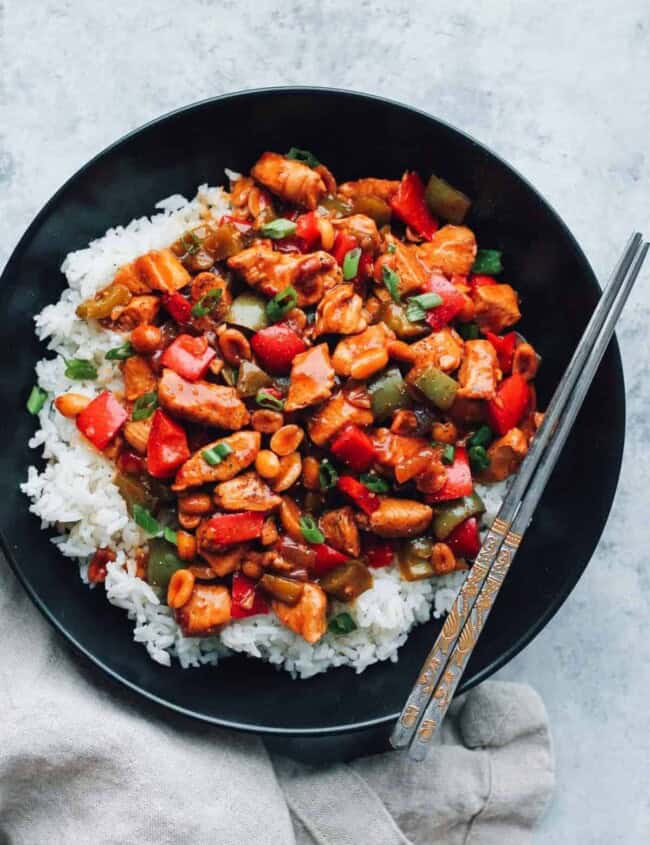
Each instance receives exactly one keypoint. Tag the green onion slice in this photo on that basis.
(417, 306)
(391, 280)
(310, 531)
(481, 437)
(146, 521)
(281, 304)
(375, 483)
(448, 454)
(478, 458)
(190, 243)
(342, 623)
(327, 475)
(469, 331)
(144, 406)
(304, 156)
(215, 455)
(120, 353)
(207, 302)
(487, 261)
(278, 228)
(267, 400)
(391, 248)
(80, 369)
(36, 400)
(169, 535)
(351, 263)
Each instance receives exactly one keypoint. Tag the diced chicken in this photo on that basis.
(162, 270)
(202, 284)
(340, 311)
(196, 471)
(467, 411)
(479, 372)
(363, 228)
(383, 188)
(409, 457)
(271, 272)
(138, 377)
(141, 309)
(291, 180)
(206, 611)
(400, 518)
(341, 531)
(312, 378)
(442, 349)
(452, 250)
(128, 276)
(136, 434)
(497, 307)
(333, 416)
(352, 349)
(246, 492)
(308, 617)
(202, 402)
(506, 454)
(222, 560)
(404, 261)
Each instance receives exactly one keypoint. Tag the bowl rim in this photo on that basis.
(558, 599)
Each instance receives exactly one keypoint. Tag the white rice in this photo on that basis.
(75, 494)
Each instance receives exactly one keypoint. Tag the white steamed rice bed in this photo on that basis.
(75, 492)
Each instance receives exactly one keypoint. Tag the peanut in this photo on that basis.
(189, 521)
(269, 532)
(290, 519)
(179, 591)
(71, 404)
(267, 422)
(234, 346)
(310, 473)
(186, 545)
(146, 338)
(252, 569)
(290, 469)
(136, 434)
(287, 439)
(193, 503)
(525, 361)
(444, 432)
(267, 464)
(442, 559)
(327, 233)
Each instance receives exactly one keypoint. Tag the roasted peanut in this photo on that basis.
(252, 569)
(189, 521)
(290, 469)
(180, 588)
(146, 338)
(290, 519)
(266, 421)
(195, 503)
(269, 533)
(136, 434)
(234, 346)
(287, 439)
(369, 363)
(310, 473)
(296, 319)
(267, 464)
(525, 361)
(71, 404)
(185, 545)
(327, 233)
(444, 432)
(400, 351)
(442, 559)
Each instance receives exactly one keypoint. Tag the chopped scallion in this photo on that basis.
(120, 353)
(144, 406)
(327, 475)
(375, 483)
(342, 623)
(391, 280)
(207, 302)
(190, 243)
(267, 400)
(478, 458)
(303, 155)
(279, 228)
(281, 304)
(487, 261)
(481, 437)
(146, 521)
(310, 531)
(448, 454)
(351, 263)
(391, 248)
(469, 331)
(417, 306)
(36, 400)
(80, 369)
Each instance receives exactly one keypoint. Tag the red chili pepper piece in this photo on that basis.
(102, 419)
(409, 205)
(478, 280)
(229, 528)
(452, 301)
(188, 356)
(360, 495)
(354, 448)
(343, 243)
(459, 479)
(465, 540)
(378, 552)
(511, 401)
(130, 463)
(178, 307)
(97, 565)
(276, 346)
(246, 599)
(307, 230)
(167, 446)
(505, 348)
(327, 558)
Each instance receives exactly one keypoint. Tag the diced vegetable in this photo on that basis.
(266, 399)
(102, 419)
(251, 379)
(347, 581)
(79, 369)
(343, 243)
(448, 454)
(297, 553)
(178, 307)
(246, 598)
(134, 492)
(188, 356)
(354, 448)
(373, 207)
(276, 347)
(482, 437)
(282, 589)
(100, 307)
(415, 559)
(446, 201)
(417, 306)
(507, 409)
(394, 316)
(450, 514)
(479, 458)
(216, 455)
(375, 483)
(391, 281)
(228, 528)
(327, 475)
(207, 303)
(310, 531)
(167, 446)
(505, 349)
(452, 301)
(36, 400)
(487, 261)
(304, 156)
(459, 479)
(438, 387)
(327, 558)
(308, 231)
(163, 562)
(388, 393)
(341, 624)
(378, 553)
(465, 540)
(248, 310)
(281, 304)
(409, 205)
(120, 353)
(363, 498)
(469, 331)
(144, 406)
(351, 263)
(278, 228)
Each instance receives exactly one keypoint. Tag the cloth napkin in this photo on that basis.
(82, 761)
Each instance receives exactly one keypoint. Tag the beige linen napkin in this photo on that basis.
(82, 761)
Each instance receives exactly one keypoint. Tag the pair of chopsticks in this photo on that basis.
(434, 689)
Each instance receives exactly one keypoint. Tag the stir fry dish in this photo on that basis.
(312, 386)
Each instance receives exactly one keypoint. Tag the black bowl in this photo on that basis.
(356, 135)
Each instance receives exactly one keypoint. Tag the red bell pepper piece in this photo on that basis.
(478, 280)
(178, 307)
(229, 528)
(354, 448)
(307, 230)
(102, 419)
(459, 479)
(130, 463)
(505, 348)
(246, 598)
(241, 224)
(378, 553)
(276, 346)
(343, 243)
(359, 493)
(188, 356)
(167, 446)
(327, 558)
(452, 301)
(465, 540)
(97, 566)
(510, 404)
(409, 205)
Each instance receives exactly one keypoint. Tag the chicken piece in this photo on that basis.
(452, 250)
(308, 617)
(466, 412)
(404, 261)
(340, 311)
(247, 492)
(399, 518)
(479, 373)
(128, 276)
(196, 470)
(271, 272)
(442, 349)
(223, 560)
(385, 189)
(291, 180)
(202, 284)
(363, 228)
(312, 378)
(506, 454)
(331, 417)
(408, 456)
(202, 402)
(162, 270)
(353, 348)
(136, 434)
(138, 377)
(341, 531)
(206, 611)
(141, 309)
(497, 307)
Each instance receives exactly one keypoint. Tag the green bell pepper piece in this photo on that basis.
(249, 311)
(388, 393)
(163, 562)
(446, 201)
(449, 515)
(251, 379)
(438, 387)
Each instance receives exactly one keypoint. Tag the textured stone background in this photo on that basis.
(560, 90)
